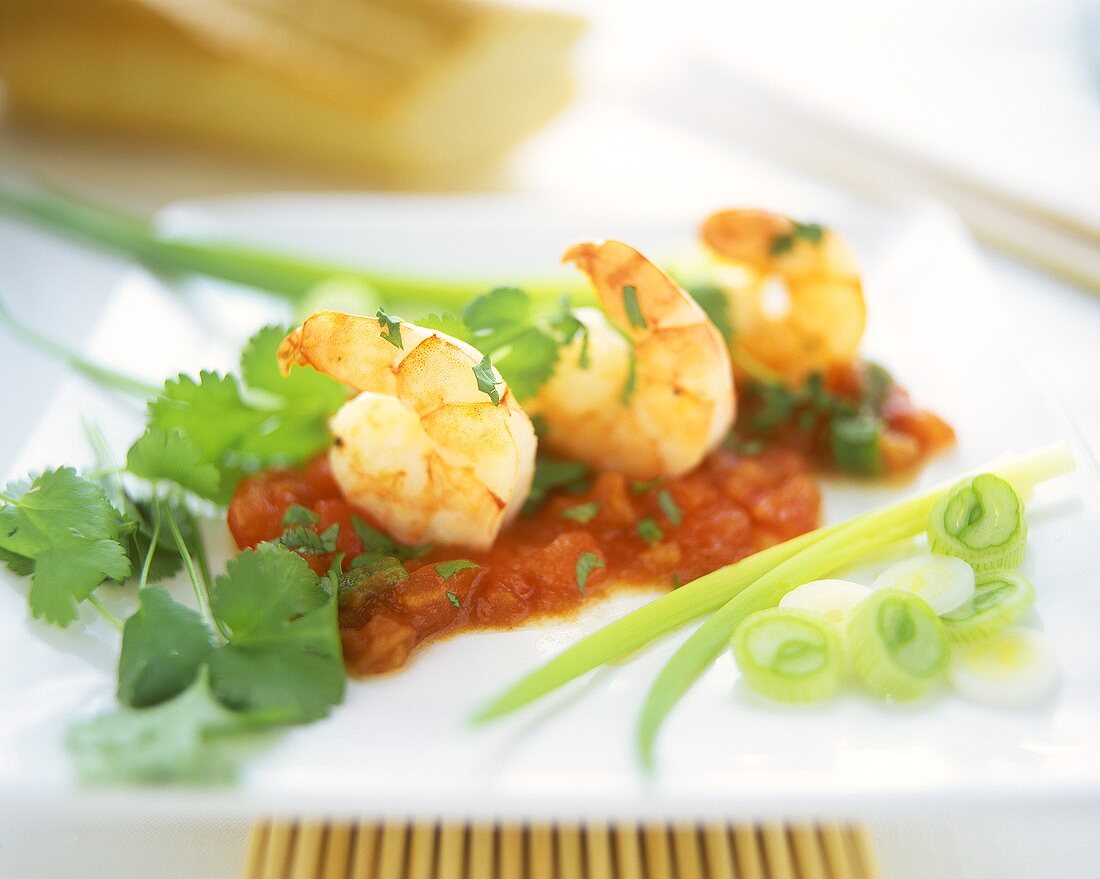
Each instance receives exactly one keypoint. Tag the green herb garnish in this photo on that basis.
(669, 507)
(446, 570)
(650, 531)
(587, 562)
(632, 309)
(487, 381)
(296, 514)
(391, 328)
(583, 513)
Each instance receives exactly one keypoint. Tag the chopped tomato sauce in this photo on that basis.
(729, 507)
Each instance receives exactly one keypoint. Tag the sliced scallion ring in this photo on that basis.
(1014, 669)
(789, 655)
(833, 599)
(942, 582)
(897, 644)
(980, 521)
(1000, 599)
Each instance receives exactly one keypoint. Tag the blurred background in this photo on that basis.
(989, 106)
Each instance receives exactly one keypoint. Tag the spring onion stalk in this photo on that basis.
(789, 655)
(840, 548)
(101, 375)
(942, 582)
(898, 645)
(982, 522)
(832, 549)
(1000, 599)
(289, 277)
(640, 627)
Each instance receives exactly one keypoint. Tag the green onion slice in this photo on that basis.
(1000, 599)
(1016, 668)
(982, 522)
(898, 645)
(789, 655)
(942, 582)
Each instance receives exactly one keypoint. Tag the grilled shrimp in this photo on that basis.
(824, 316)
(425, 452)
(656, 393)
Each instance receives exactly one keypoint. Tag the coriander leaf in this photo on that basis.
(528, 363)
(641, 487)
(308, 542)
(278, 683)
(812, 232)
(551, 474)
(262, 589)
(377, 543)
(809, 232)
(449, 324)
(633, 310)
(586, 564)
(175, 741)
(210, 412)
(391, 328)
(496, 312)
(304, 389)
(164, 645)
(669, 507)
(486, 379)
(296, 514)
(631, 377)
(446, 570)
(283, 663)
(158, 454)
(714, 301)
(17, 564)
(876, 382)
(582, 513)
(777, 404)
(650, 531)
(453, 599)
(568, 327)
(67, 526)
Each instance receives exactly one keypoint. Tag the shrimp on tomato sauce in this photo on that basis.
(421, 448)
(819, 323)
(648, 390)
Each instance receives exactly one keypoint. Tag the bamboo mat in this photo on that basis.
(402, 850)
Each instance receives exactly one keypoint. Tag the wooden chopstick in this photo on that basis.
(424, 850)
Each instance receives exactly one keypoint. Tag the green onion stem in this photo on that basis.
(101, 375)
(843, 546)
(643, 625)
(287, 276)
(114, 621)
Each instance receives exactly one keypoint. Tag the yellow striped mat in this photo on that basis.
(403, 850)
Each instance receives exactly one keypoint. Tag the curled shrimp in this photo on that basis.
(649, 391)
(825, 314)
(420, 448)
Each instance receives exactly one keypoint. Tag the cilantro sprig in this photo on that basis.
(263, 646)
(522, 340)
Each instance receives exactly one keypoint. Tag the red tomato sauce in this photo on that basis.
(729, 507)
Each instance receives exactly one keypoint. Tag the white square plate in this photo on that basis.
(401, 745)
